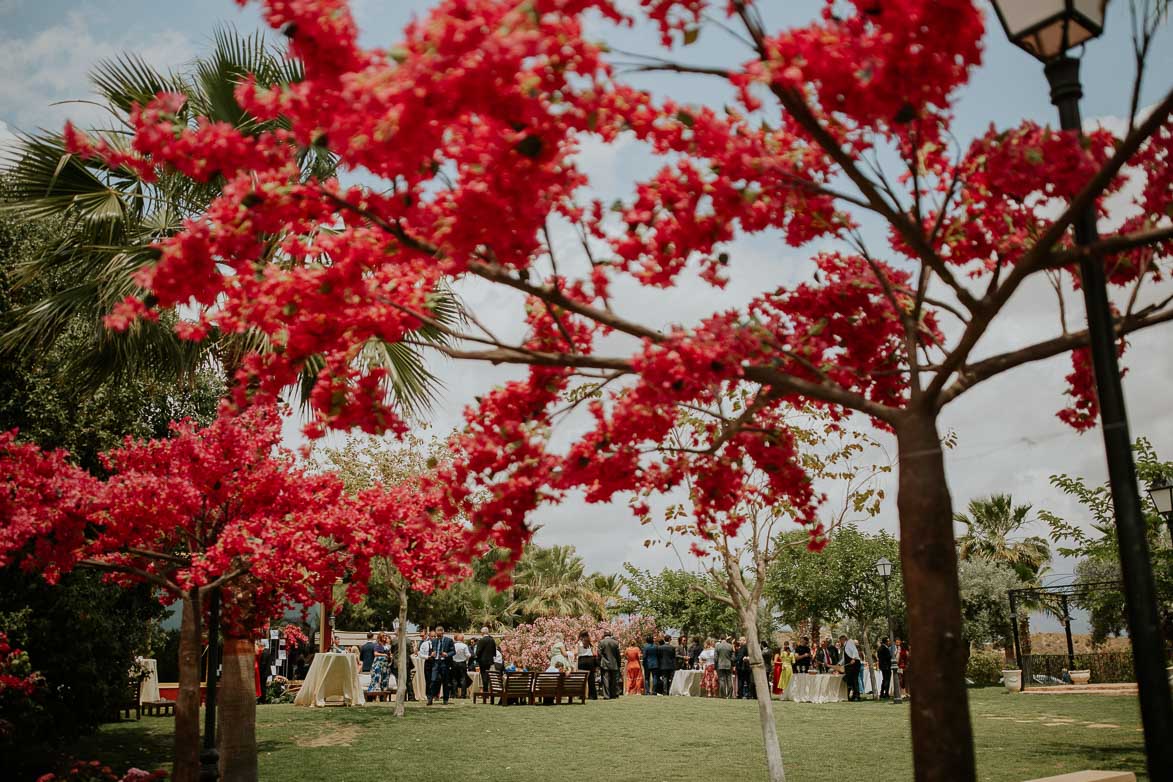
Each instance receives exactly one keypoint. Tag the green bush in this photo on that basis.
(984, 669)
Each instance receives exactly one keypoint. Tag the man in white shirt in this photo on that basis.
(460, 666)
(851, 667)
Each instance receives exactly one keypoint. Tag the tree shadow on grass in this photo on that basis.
(1115, 758)
(138, 745)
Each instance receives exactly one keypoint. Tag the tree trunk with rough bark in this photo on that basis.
(237, 705)
(774, 768)
(942, 736)
(401, 638)
(186, 766)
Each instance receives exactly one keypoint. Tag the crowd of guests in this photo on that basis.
(649, 669)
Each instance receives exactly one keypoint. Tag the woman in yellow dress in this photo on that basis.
(783, 668)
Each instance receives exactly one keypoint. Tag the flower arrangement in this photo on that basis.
(294, 637)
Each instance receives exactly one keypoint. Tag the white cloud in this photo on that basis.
(52, 65)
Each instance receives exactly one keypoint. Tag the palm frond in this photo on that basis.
(128, 79)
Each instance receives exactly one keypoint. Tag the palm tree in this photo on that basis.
(113, 218)
(992, 523)
(553, 582)
(607, 590)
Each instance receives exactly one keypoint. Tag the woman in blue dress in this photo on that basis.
(381, 668)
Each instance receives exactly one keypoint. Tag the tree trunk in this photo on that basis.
(237, 703)
(749, 623)
(942, 736)
(1024, 633)
(401, 638)
(187, 703)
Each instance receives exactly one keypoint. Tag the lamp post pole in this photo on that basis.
(209, 757)
(1139, 590)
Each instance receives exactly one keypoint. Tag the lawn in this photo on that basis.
(1018, 737)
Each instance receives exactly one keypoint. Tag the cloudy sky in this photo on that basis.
(1008, 437)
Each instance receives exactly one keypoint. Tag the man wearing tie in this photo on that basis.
(442, 650)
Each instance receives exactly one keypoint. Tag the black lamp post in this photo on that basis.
(1161, 493)
(884, 568)
(209, 757)
(1048, 29)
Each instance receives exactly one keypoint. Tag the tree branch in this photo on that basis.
(987, 368)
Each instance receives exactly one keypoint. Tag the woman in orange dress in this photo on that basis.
(634, 684)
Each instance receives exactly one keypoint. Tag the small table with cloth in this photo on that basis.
(332, 675)
(686, 683)
(816, 688)
(150, 689)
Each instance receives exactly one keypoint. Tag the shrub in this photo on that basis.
(984, 669)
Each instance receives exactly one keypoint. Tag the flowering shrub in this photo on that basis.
(528, 645)
(294, 636)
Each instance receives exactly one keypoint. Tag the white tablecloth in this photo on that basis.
(150, 691)
(686, 683)
(817, 688)
(331, 675)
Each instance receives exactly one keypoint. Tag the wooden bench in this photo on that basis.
(163, 708)
(547, 688)
(496, 686)
(378, 696)
(574, 686)
(518, 686)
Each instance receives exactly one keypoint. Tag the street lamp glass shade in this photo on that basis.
(884, 567)
(1161, 494)
(1049, 28)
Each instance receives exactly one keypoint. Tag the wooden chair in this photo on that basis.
(547, 688)
(574, 686)
(131, 701)
(518, 686)
(496, 687)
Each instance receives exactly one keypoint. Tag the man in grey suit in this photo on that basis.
(724, 651)
(609, 666)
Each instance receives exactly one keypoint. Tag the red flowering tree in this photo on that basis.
(217, 508)
(472, 123)
(415, 540)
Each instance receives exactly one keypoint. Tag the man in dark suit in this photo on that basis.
(802, 655)
(667, 665)
(741, 663)
(442, 650)
(484, 652)
(651, 665)
(366, 653)
(884, 660)
(609, 665)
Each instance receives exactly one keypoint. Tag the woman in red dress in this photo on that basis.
(634, 684)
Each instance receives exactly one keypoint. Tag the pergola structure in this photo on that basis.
(1064, 593)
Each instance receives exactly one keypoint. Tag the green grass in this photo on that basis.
(642, 739)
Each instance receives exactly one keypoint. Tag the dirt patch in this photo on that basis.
(343, 736)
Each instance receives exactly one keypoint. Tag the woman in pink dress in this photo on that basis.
(708, 662)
